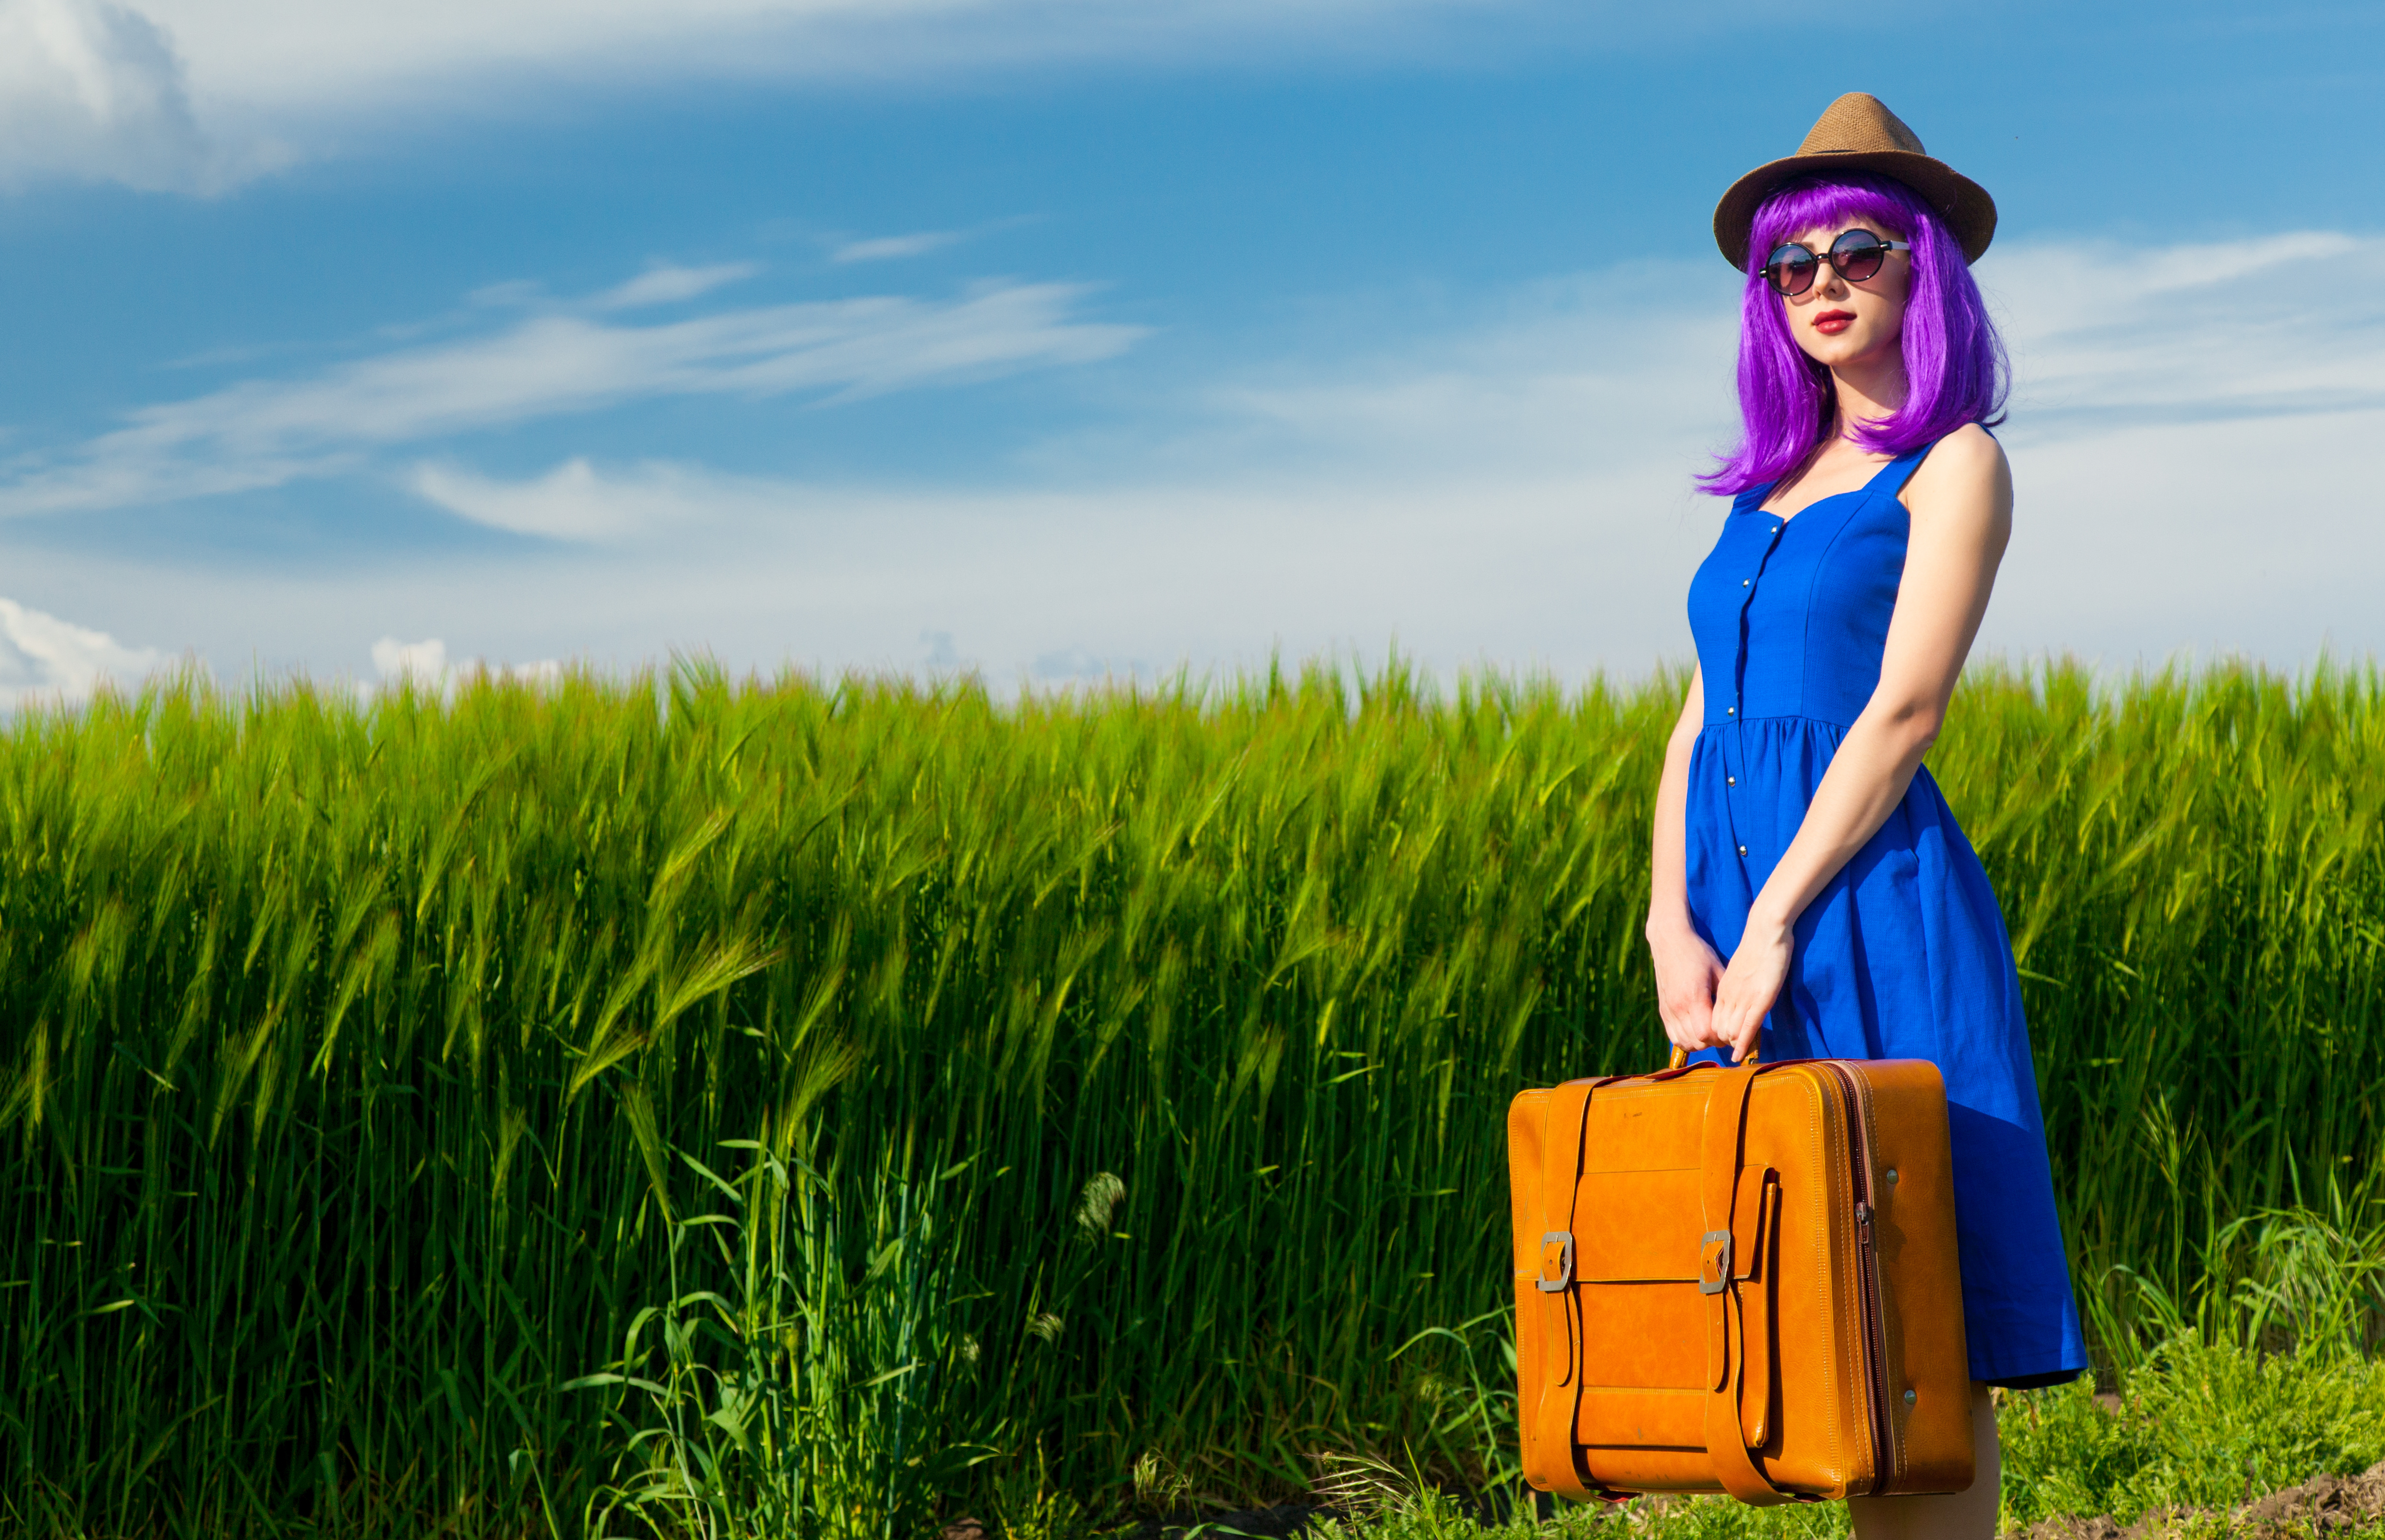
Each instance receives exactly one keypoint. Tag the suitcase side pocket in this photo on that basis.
(1529, 1312)
(1921, 1278)
(1523, 1212)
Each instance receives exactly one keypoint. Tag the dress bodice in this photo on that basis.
(1791, 615)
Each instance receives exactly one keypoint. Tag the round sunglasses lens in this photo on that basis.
(1859, 255)
(1791, 269)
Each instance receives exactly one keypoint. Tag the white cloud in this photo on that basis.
(2106, 336)
(2203, 264)
(2191, 445)
(665, 284)
(109, 85)
(2191, 438)
(45, 659)
(308, 55)
(92, 89)
(424, 664)
(886, 248)
(268, 433)
(1125, 576)
(574, 502)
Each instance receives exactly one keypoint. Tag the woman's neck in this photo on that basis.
(1869, 389)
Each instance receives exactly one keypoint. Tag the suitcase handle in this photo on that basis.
(1681, 1057)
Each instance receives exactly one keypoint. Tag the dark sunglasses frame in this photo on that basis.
(1855, 256)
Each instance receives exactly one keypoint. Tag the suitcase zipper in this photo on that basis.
(1883, 1432)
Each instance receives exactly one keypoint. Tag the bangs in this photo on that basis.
(1802, 205)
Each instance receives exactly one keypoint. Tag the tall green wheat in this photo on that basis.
(421, 1112)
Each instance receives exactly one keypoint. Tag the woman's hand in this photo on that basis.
(1750, 985)
(1687, 972)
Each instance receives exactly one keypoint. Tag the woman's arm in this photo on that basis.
(1961, 504)
(1686, 969)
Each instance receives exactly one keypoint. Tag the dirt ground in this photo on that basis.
(2328, 1505)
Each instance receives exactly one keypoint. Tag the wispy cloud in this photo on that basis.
(106, 88)
(1512, 485)
(1518, 487)
(267, 432)
(2106, 335)
(665, 284)
(308, 54)
(93, 90)
(887, 248)
(576, 502)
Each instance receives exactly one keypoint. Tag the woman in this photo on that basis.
(1797, 835)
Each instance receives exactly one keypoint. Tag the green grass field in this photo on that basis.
(813, 1109)
(2193, 1435)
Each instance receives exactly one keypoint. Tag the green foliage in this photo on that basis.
(2196, 1426)
(2200, 1426)
(899, 1093)
(769, 1411)
(1722, 1518)
(1433, 1515)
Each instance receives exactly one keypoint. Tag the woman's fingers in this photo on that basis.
(1727, 1022)
(1749, 987)
(1687, 972)
(1743, 1042)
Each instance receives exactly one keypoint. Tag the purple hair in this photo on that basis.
(1954, 367)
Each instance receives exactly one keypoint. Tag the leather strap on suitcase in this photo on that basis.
(1553, 1450)
(1725, 1313)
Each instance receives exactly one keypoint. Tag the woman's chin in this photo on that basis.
(1847, 348)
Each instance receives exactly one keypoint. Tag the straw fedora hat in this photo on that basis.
(1857, 134)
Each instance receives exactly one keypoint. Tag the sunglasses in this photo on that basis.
(1857, 255)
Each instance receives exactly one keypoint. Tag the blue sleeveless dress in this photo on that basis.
(1904, 955)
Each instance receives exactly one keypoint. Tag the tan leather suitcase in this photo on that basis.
(1739, 1280)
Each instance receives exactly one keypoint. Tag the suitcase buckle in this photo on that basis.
(1714, 1262)
(1564, 1239)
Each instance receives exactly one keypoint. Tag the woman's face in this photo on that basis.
(1841, 324)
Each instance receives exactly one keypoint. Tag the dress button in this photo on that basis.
(1730, 779)
(1747, 583)
(1743, 850)
(1775, 529)
(1730, 710)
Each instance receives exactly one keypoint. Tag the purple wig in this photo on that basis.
(1955, 367)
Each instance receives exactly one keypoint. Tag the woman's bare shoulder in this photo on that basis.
(1965, 471)
(1969, 449)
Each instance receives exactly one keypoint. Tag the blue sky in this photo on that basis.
(1063, 338)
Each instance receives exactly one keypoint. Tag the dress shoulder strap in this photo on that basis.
(1890, 478)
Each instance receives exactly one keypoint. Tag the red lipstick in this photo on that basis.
(1830, 323)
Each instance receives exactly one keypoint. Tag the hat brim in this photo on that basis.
(1970, 213)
